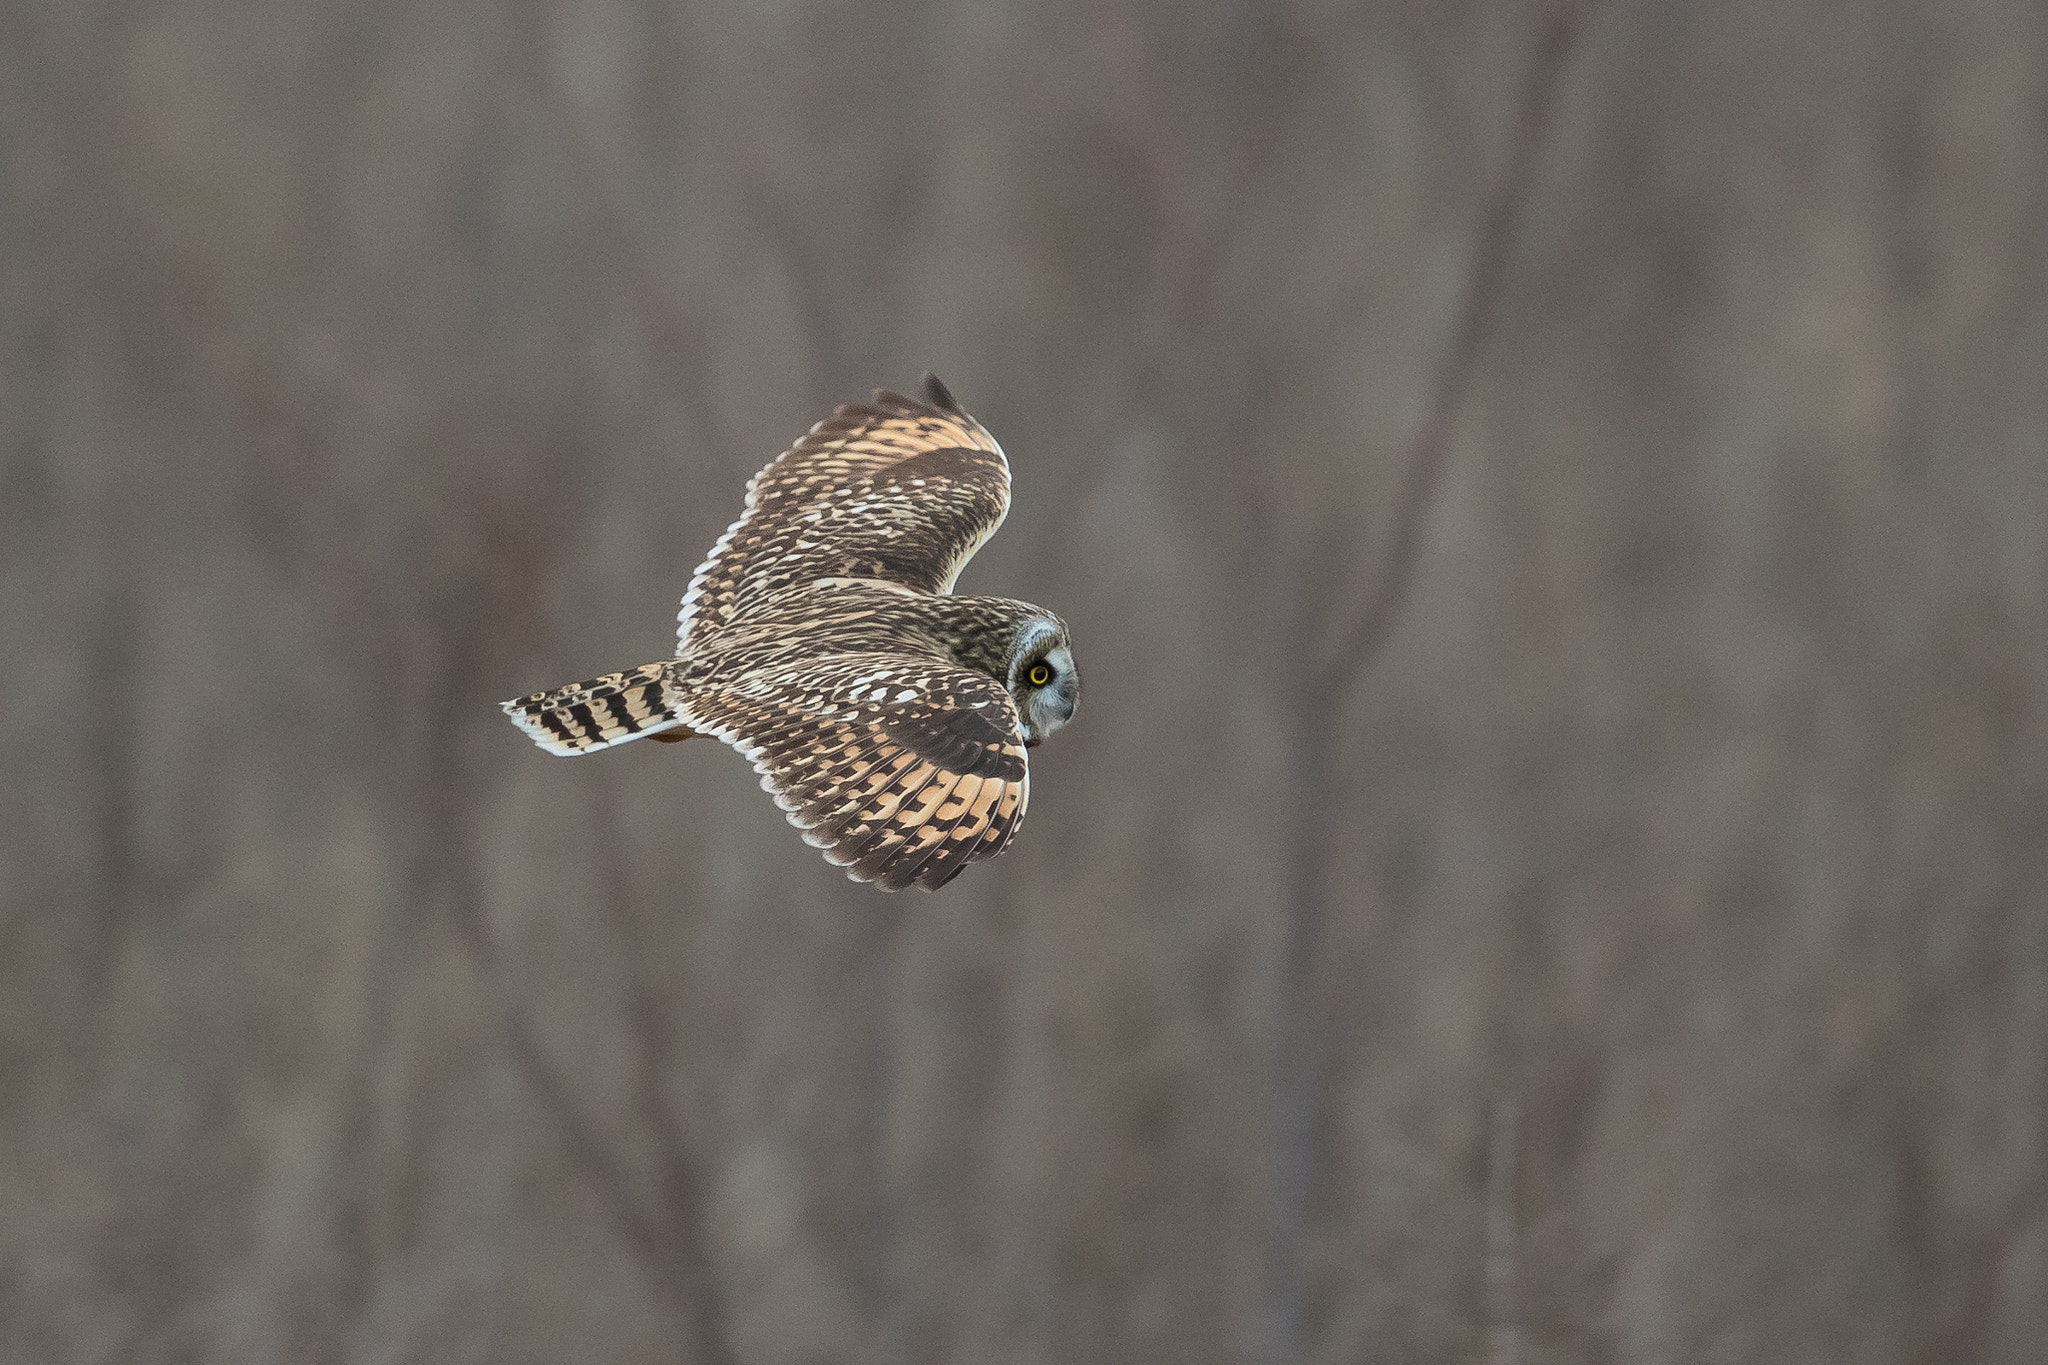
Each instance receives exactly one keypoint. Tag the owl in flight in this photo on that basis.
(889, 719)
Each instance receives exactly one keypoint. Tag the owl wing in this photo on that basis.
(894, 489)
(902, 769)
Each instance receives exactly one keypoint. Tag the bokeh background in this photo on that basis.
(1606, 920)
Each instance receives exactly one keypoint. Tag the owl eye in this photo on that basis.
(1039, 675)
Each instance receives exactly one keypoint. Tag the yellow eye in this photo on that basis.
(1039, 675)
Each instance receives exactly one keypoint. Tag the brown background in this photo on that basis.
(1675, 878)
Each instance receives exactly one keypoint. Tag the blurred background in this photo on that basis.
(1572, 891)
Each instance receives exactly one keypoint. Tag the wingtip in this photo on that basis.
(938, 395)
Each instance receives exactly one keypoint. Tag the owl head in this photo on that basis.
(1043, 680)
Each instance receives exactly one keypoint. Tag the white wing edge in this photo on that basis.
(541, 736)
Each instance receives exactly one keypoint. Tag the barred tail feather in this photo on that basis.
(587, 716)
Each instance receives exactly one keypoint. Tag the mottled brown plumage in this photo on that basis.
(889, 718)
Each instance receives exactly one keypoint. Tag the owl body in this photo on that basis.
(889, 718)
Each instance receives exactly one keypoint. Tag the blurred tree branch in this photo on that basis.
(428, 599)
(670, 1248)
(832, 364)
(681, 1175)
(1319, 676)
(1197, 223)
(677, 344)
(643, 1010)
(1359, 640)
(1960, 1260)
(504, 536)
(1503, 1155)
(1321, 684)
(113, 746)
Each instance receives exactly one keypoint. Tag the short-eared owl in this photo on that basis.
(821, 639)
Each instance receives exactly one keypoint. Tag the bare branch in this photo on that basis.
(628, 250)
(1359, 641)
(1960, 1261)
(682, 1180)
(1503, 1155)
(510, 534)
(1316, 692)
(831, 356)
(1277, 1326)
(626, 244)
(111, 748)
(674, 1264)
(1200, 212)
(881, 1265)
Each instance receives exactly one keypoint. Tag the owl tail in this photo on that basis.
(587, 716)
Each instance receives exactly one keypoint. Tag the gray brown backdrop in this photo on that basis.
(1673, 875)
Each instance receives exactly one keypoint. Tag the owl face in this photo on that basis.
(1043, 680)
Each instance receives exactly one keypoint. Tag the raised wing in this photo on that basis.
(902, 769)
(894, 489)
